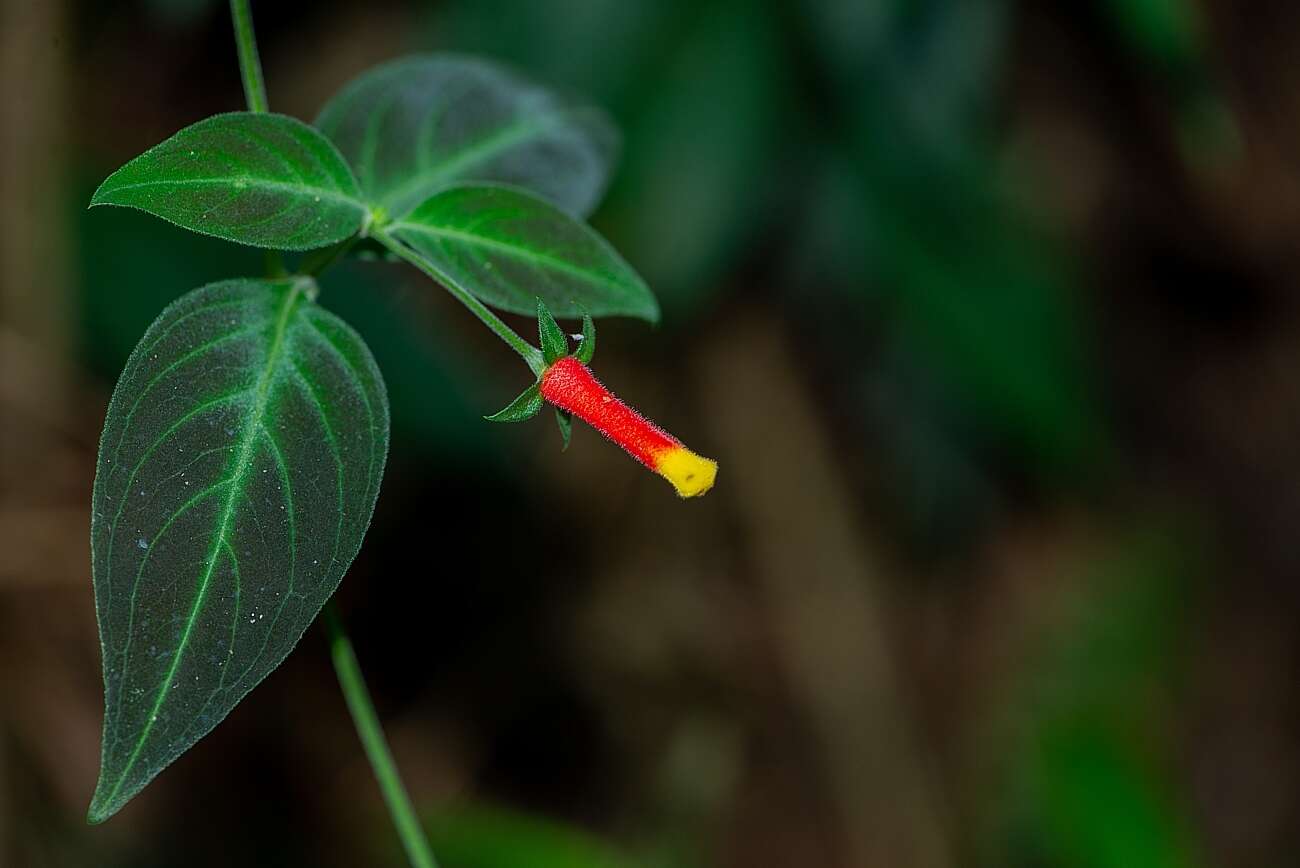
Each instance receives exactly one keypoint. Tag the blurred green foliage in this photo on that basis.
(1167, 39)
(483, 836)
(1094, 787)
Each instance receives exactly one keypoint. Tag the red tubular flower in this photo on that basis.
(570, 385)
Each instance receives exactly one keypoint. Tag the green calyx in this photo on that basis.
(555, 346)
(522, 408)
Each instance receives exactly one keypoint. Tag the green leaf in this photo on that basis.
(238, 470)
(554, 344)
(509, 248)
(259, 179)
(521, 409)
(587, 348)
(565, 421)
(416, 125)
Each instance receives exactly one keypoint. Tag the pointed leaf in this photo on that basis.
(554, 344)
(416, 125)
(509, 248)
(238, 471)
(565, 421)
(525, 407)
(587, 348)
(259, 179)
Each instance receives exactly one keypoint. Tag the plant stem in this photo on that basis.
(529, 353)
(372, 739)
(250, 66)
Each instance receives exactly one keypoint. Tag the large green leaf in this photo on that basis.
(510, 248)
(260, 179)
(238, 471)
(416, 125)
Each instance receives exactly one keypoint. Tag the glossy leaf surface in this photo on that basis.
(238, 470)
(259, 179)
(510, 248)
(413, 126)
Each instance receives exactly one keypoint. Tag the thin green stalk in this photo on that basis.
(372, 738)
(529, 353)
(250, 66)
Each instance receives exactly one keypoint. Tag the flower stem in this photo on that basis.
(250, 66)
(372, 739)
(529, 353)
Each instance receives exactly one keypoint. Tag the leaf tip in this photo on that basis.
(650, 311)
(100, 196)
(565, 421)
(101, 808)
(553, 342)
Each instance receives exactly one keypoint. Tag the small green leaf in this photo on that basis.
(238, 470)
(416, 125)
(521, 409)
(259, 179)
(554, 344)
(587, 348)
(565, 421)
(509, 248)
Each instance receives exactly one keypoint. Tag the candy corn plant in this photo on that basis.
(246, 439)
(568, 383)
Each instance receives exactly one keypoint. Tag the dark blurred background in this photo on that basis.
(988, 311)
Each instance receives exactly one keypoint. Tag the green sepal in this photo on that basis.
(565, 421)
(587, 348)
(554, 344)
(521, 409)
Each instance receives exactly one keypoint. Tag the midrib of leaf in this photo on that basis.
(481, 150)
(512, 250)
(253, 428)
(261, 183)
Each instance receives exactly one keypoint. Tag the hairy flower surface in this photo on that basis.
(570, 386)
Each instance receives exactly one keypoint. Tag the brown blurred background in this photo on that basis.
(989, 311)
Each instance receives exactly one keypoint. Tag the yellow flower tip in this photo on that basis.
(691, 474)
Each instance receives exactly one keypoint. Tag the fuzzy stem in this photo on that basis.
(372, 739)
(250, 66)
(529, 353)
